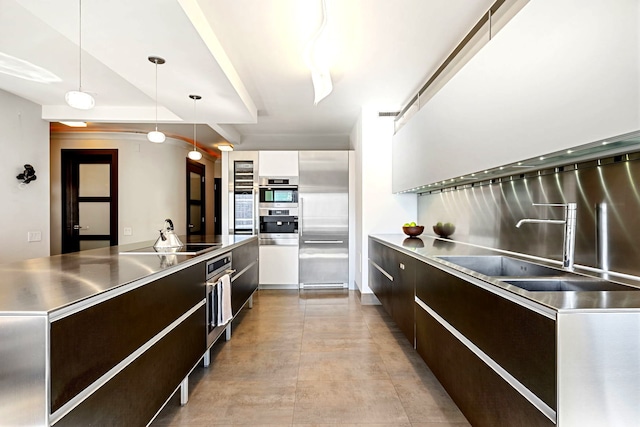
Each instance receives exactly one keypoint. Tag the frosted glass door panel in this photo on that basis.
(195, 186)
(196, 213)
(94, 217)
(94, 180)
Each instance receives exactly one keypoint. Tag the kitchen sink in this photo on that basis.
(562, 285)
(498, 265)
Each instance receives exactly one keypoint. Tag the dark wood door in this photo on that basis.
(217, 205)
(195, 199)
(89, 199)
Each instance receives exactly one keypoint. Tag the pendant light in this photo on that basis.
(77, 98)
(194, 154)
(155, 135)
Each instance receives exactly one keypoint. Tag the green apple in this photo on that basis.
(412, 224)
(406, 224)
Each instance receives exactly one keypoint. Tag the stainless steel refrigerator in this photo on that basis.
(323, 194)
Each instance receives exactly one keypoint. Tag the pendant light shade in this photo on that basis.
(77, 98)
(155, 135)
(194, 154)
(80, 100)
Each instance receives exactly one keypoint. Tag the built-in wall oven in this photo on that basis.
(215, 269)
(278, 192)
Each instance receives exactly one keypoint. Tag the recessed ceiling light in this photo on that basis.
(541, 157)
(569, 151)
(75, 124)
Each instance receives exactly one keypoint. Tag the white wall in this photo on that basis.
(293, 142)
(151, 183)
(561, 73)
(378, 211)
(24, 139)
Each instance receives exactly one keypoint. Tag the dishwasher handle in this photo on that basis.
(324, 242)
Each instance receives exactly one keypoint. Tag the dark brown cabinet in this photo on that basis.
(484, 397)
(520, 340)
(245, 279)
(87, 344)
(123, 357)
(392, 280)
(493, 355)
(403, 295)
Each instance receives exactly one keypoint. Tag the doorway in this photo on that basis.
(89, 199)
(195, 199)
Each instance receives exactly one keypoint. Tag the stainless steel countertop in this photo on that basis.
(427, 248)
(44, 285)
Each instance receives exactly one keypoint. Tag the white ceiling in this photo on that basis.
(244, 57)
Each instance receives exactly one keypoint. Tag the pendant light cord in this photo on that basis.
(194, 123)
(156, 61)
(80, 46)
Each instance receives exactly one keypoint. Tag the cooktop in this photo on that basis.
(188, 249)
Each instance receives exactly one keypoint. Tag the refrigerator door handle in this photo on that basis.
(324, 241)
(300, 217)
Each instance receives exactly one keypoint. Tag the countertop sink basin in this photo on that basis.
(564, 285)
(498, 265)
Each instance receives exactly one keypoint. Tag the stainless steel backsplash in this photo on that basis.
(608, 212)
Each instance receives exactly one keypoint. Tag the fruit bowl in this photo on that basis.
(444, 230)
(413, 231)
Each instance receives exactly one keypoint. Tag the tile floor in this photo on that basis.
(313, 358)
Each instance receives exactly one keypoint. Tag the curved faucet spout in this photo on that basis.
(540, 221)
(569, 223)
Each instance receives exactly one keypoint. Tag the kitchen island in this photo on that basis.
(508, 354)
(99, 337)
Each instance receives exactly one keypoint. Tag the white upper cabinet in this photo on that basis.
(278, 163)
(560, 74)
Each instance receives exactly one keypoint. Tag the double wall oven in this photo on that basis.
(278, 211)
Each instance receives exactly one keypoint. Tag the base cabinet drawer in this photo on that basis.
(136, 393)
(484, 397)
(243, 287)
(245, 279)
(381, 287)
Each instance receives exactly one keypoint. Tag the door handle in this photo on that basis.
(191, 225)
(300, 217)
(79, 227)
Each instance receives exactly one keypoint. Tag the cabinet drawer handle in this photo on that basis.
(381, 270)
(401, 266)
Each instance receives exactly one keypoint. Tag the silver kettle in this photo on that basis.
(168, 239)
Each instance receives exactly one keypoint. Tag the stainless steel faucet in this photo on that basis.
(569, 222)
